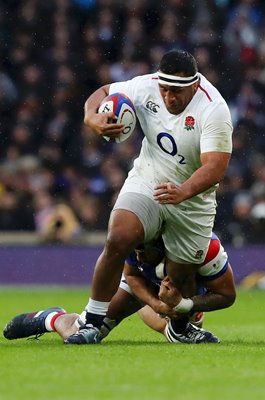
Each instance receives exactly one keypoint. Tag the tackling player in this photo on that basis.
(141, 284)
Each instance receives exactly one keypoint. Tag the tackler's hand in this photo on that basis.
(168, 293)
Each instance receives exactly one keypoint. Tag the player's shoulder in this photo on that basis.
(209, 93)
(210, 102)
(142, 88)
(146, 81)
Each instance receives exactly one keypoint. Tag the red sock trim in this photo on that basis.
(54, 318)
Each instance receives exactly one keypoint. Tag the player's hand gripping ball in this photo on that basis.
(124, 110)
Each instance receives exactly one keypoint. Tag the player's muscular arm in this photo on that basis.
(221, 294)
(144, 290)
(212, 171)
(99, 123)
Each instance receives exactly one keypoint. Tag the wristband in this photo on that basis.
(184, 306)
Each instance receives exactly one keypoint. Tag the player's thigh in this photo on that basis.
(146, 210)
(183, 277)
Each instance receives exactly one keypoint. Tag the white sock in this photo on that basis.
(97, 307)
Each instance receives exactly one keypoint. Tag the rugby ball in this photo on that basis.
(124, 110)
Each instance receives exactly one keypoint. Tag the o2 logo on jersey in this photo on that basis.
(167, 143)
(160, 141)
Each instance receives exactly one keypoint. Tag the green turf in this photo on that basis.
(134, 362)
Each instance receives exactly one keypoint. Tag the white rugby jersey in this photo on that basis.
(173, 144)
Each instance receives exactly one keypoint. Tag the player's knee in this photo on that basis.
(121, 240)
(230, 298)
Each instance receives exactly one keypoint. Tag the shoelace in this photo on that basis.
(196, 334)
(36, 337)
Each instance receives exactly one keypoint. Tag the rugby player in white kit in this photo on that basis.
(185, 153)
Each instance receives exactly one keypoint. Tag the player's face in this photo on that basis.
(176, 98)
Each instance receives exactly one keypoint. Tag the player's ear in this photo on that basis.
(195, 86)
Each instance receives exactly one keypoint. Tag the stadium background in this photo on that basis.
(58, 181)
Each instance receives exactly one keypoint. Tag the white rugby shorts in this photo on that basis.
(186, 232)
(124, 285)
(146, 209)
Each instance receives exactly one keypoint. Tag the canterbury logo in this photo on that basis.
(150, 105)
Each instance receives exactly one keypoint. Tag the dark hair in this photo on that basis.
(157, 244)
(178, 61)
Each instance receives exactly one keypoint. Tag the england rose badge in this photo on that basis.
(189, 123)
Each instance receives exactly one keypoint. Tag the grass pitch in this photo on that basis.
(133, 362)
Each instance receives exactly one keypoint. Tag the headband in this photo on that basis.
(173, 80)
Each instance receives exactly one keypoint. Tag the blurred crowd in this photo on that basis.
(59, 179)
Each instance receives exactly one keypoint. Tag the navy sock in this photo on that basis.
(179, 325)
(94, 319)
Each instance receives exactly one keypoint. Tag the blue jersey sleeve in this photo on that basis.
(132, 260)
(148, 271)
